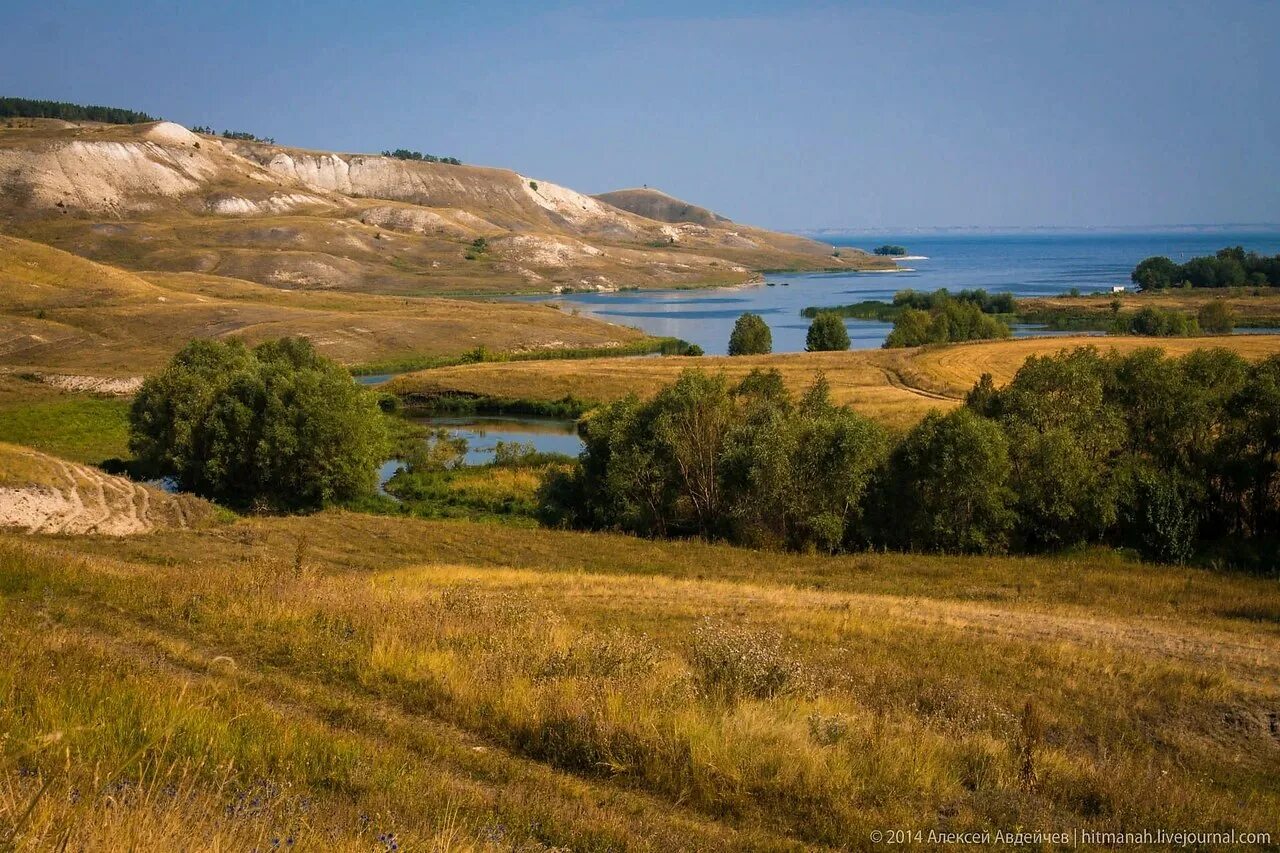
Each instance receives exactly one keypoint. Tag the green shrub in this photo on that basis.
(1217, 318)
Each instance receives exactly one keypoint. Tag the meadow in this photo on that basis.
(349, 682)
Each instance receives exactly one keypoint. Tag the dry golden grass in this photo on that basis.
(954, 369)
(896, 387)
(506, 687)
(865, 380)
(61, 313)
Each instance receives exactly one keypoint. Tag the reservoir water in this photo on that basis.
(1024, 263)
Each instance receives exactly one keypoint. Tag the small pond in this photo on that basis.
(483, 432)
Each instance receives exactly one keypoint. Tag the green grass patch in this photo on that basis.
(77, 427)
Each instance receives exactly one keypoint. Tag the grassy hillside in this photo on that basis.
(60, 312)
(337, 679)
(654, 204)
(76, 426)
(894, 386)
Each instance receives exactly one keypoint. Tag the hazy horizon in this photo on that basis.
(793, 116)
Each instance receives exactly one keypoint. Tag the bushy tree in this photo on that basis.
(947, 487)
(750, 336)
(1063, 435)
(276, 427)
(1155, 273)
(1217, 318)
(827, 334)
(911, 328)
(797, 474)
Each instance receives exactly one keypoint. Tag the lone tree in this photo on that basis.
(750, 336)
(276, 427)
(827, 334)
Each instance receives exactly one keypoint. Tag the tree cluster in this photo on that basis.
(947, 321)
(890, 249)
(1171, 457)
(987, 303)
(28, 108)
(1155, 323)
(274, 427)
(1230, 267)
(406, 154)
(745, 463)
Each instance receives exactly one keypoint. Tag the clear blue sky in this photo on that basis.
(792, 115)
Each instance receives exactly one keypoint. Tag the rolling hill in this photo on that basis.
(64, 314)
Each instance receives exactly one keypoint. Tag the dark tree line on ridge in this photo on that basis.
(1174, 458)
(29, 108)
(1230, 267)
(406, 154)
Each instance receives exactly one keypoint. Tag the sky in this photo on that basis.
(794, 115)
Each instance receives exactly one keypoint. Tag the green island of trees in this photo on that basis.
(890, 249)
(276, 427)
(1173, 457)
(750, 336)
(826, 334)
(1230, 267)
(29, 108)
(406, 154)
(948, 322)
(875, 309)
(932, 317)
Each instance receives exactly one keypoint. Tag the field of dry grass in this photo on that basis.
(896, 387)
(335, 680)
(61, 313)
(865, 380)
